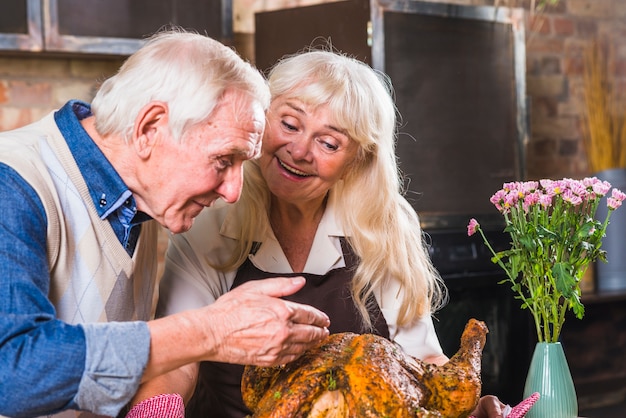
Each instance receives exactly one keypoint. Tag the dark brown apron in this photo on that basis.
(218, 393)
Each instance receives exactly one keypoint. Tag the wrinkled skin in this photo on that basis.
(351, 375)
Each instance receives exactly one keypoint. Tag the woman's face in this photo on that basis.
(304, 151)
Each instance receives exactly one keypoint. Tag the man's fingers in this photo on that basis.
(308, 315)
(269, 330)
(295, 348)
(276, 287)
(285, 286)
(304, 334)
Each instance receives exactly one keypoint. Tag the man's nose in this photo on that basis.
(230, 188)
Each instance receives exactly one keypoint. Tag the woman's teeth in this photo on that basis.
(293, 170)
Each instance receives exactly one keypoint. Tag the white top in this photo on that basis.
(189, 282)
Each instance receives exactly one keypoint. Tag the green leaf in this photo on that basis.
(543, 232)
(528, 242)
(565, 282)
(578, 308)
(585, 230)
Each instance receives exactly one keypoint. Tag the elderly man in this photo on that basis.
(82, 195)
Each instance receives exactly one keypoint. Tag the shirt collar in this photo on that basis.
(106, 187)
(325, 254)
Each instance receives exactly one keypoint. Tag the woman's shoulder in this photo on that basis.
(191, 255)
(206, 230)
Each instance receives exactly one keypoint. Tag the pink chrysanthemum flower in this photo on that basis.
(546, 183)
(507, 187)
(578, 188)
(600, 188)
(545, 200)
(590, 181)
(613, 203)
(472, 227)
(530, 200)
(498, 199)
(571, 197)
(511, 199)
(618, 195)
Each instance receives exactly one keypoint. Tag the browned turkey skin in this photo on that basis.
(351, 375)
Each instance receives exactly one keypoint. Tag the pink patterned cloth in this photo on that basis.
(161, 406)
(520, 410)
(172, 406)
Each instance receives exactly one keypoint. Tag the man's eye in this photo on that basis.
(223, 163)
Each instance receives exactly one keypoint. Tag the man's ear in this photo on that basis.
(151, 125)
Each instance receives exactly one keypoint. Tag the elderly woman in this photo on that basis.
(323, 201)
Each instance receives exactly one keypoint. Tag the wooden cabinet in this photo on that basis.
(20, 25)
(343, 24)
(594, 347)
(111, 27)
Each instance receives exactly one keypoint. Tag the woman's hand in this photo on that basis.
(489, 406)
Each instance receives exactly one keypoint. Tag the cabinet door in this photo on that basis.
(342, 24)
(118, 27)
(20, 25)
(459, 77)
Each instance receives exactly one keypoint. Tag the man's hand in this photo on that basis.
(248, 325)
(255, 327)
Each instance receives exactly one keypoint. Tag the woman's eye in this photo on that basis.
(288, 126)
(330, 146)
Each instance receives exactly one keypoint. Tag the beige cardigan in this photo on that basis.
(92, 277)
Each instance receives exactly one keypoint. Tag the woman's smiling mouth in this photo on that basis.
(292, 170)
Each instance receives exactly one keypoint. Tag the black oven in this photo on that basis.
(475, 291)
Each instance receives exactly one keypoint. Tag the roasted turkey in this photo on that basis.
(351, 375)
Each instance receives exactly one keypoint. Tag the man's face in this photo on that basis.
(185, 177)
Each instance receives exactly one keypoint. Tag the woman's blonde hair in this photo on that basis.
(380, 225)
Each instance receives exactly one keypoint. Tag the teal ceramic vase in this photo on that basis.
(549, 375)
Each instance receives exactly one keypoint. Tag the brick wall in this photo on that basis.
(556, 41)
(31, 86)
